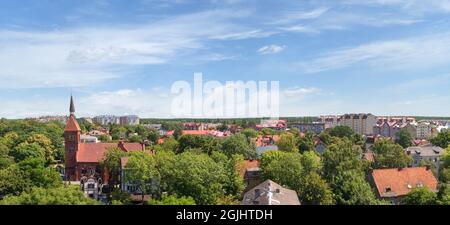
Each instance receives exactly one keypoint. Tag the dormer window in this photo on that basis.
(388, 189)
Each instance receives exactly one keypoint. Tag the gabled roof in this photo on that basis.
(95, 152)
(72, 124)
(399, 182)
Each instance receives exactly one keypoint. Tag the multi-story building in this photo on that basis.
(359, 123)
(315, 128)
(424, 130)
(330, 121)
(425, 153)
(122, 120)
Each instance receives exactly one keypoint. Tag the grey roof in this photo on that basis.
(263, 149)
(270, 193)
(426, 150)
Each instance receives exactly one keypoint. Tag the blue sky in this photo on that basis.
(387, 57)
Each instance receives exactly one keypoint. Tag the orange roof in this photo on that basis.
(399, 182)
(72, 124)
(247, 165)
(123, 161)
(195, 132)
(94, 152)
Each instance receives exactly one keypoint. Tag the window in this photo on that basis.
(91, 186)
(388, 189)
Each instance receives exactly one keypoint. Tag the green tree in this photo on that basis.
(46, 144)
(443, 195)
(420, 196)
(306, 143)
(390, 155)
(404, 138)
(13, 181)
(442, 140)
(194, 175)
(341, 131)
(26, 150)
(141, 170)
(238, 144)
(5, 159)
(287, 143)
(314, 190)
(172, 200)
(250, 133)
(51, 196)
(283, 168)
(351, 188)
(111, 162)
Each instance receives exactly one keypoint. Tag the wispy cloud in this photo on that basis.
(81, 56)
(408, 53)
(301, 91)
(271, 49)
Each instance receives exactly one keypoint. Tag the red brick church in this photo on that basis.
(83, 159)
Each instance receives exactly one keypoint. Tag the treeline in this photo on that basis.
(29, 156)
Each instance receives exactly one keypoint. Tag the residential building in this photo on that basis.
(425, 153)
(360, 123)
(424, 130)
(315, 128)
(88, 139)
(122, 120)
(272, 124)
(393, 184)
(251, 173)
(270, 193)
(330, 121)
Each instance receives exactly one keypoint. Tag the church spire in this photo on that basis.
(72, 106)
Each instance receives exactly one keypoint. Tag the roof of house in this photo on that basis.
(263, 149)
(196, 132)
(369, 156)
(399, 182)
(95, 152)
(426, 150)
(248, 164)
(270, 193)
(72, 124)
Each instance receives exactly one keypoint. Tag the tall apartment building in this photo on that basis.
(423, 130)
(360, 123)
(122, 120)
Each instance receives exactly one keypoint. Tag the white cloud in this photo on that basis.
(301, 92)
(271, 49)
(83, 56)
(425, 51)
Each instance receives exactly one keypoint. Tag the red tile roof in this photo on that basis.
(94, 152)
(402, 181)
(195, 132)
(72, 124)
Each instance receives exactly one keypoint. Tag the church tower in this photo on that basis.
(72, 134)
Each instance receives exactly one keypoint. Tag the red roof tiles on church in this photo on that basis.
(399, 182)
(72, 124)
(95, 152)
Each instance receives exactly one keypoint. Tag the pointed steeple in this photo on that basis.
(72, 124)
(72, 106)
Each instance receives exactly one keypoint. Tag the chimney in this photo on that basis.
(400, 169)
(121, 144)
(428, 167)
